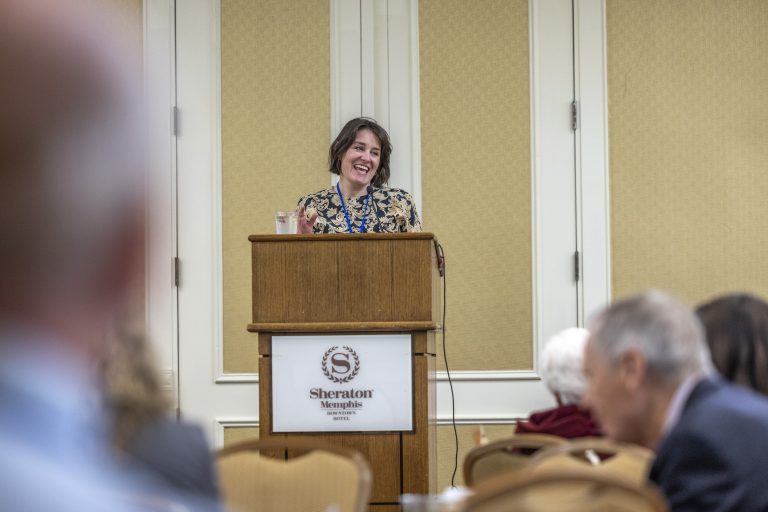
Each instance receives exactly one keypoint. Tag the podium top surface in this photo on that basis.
(421, 235)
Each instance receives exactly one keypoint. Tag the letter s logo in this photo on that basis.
(340, 364)
(340, 360)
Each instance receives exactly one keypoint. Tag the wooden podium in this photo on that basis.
(361, 284)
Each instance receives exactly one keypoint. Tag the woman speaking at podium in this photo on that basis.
(360, 202)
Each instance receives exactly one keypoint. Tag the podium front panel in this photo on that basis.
(342, 383)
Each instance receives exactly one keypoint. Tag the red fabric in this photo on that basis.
(567, 421)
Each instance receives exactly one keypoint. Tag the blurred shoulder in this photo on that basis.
(168, 434)
(718, 408)
(718, 391)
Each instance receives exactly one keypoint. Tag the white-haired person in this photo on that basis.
(561, 370)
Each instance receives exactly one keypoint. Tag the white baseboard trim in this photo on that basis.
(237, 378)
(492, 419)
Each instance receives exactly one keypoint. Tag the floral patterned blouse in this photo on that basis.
(390, 210)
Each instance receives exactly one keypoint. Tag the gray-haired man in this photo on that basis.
(650, 382)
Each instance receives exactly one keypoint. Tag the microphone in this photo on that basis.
(375, 207)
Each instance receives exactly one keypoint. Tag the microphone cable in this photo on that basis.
(441, 268)
(375, 208)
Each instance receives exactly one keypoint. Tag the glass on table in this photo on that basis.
(286, 223)
(421, 503)
(447, 501)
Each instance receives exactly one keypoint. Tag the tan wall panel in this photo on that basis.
(688, 123)
(475, 124)
(275, 111)
(234, 435)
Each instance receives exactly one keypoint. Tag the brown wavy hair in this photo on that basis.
(346, 138)
(737, 333)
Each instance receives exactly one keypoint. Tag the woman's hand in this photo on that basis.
(306, 224)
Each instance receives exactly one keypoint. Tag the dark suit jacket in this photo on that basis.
(716, 457)
(178, 454)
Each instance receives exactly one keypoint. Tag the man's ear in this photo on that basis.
(633, 368)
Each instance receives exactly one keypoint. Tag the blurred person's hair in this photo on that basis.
(70, 154)
(736, 328)
(561, 365)
(132, 386)
(663, 329)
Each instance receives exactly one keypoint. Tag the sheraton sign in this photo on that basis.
(342, 383)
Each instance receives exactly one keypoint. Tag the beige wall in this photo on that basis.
(688, 120)
(688, 124)
(475, 155)
(275, 104)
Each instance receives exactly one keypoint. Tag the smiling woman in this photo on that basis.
(360, 202)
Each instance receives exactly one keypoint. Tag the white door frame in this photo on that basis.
(160, 86)
(593, 194)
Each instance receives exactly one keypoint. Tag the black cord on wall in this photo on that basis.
(441, 266)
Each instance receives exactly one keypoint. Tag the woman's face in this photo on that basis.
(361, 161)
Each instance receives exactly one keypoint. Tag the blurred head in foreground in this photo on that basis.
(641, 350)
(736, 328)
(70, 171)
(71, 219)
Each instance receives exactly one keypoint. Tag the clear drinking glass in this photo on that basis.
(449, 500)
(421, 503)
(286, 223)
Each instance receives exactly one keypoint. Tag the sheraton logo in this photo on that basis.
(340, 364)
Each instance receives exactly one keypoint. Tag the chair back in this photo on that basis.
(258, 475)
(504, 456)
(596, 454)
(563, 491)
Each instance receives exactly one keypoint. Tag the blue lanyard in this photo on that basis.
(346, 215)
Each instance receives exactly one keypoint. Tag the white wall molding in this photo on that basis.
(374, 73)
(552, 172)
(456, 376)
(593, 193)
(415, 98)
(497, 419)
(489, 376)
(220, 423)
(217, 297)
(346, 86)
(237, 378)
(167, 381)
(199, 231)
(404, 110)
